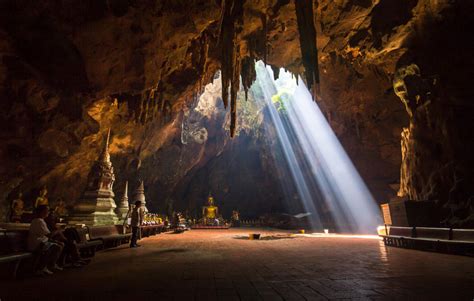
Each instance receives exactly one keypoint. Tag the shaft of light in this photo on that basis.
(325, 164)
(269, 89)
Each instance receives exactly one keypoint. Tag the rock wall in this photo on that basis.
(435, 89)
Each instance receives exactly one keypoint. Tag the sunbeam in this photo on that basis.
(325, 178)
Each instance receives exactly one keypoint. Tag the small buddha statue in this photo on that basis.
(42, 199)
(60, 210)
(235, 215)
(210, 211)
(17, 208)
(235, 218)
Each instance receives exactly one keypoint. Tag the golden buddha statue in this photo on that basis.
(60, 210)
(17, 208)
(42, 199)
(210, 212)
(210, 217)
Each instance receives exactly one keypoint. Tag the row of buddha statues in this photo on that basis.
(210, 213)
(60, 209)
(18, 208)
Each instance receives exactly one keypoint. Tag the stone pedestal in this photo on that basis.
(96, 206)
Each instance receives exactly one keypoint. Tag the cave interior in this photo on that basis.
(269, 142)
(175, 84)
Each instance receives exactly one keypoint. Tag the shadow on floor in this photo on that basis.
(269, 237)
(175, 250)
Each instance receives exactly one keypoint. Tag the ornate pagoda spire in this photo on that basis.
(122, 206)
(105, 156)
(125, 191)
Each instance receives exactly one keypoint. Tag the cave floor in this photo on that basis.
(222, 265)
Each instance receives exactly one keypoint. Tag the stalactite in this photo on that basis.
(276, 72)
(141, 110)
(263, 17)
(156, 100)
(146, 109)
(235, 87)
(248, 73)
(199, 51)
(231, 23)
(226, 39)
(162, 103)
(307, 33)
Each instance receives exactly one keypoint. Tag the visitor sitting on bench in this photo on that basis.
(39, 241)
(136, 222)
(67, 240)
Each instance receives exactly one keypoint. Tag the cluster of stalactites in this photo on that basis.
(231, 23)
(199, 52)
(307, 34)
(152, 103)
(236, 62)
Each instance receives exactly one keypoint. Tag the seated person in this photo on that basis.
(70, 251)
(39, 241)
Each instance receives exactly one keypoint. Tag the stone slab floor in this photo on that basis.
(221, 265)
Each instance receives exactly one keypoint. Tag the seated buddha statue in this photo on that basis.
(42, 199)
(210, 212)
(17, 208)
(60, 210)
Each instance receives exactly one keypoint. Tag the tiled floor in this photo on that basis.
(221, 265)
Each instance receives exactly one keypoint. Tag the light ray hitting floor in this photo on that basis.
(328, 185)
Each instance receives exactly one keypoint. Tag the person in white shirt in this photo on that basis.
(39, 242)
(136, 222)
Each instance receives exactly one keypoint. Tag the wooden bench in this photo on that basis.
(110, 236)
(446, 240)
(399, 237)
(432, 233)
(400, 231)
(431, 239)
(463, 235)
(86, 247)
(13, 251)
(462, 242)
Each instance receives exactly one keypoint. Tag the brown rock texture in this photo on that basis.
(70, 70)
